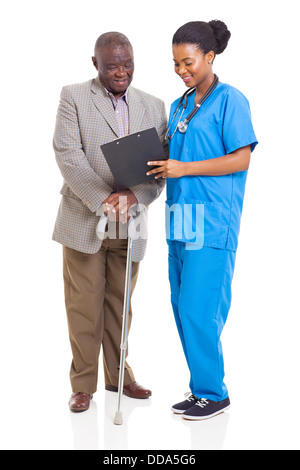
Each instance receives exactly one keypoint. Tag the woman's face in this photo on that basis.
(192, 65)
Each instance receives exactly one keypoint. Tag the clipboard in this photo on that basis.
(127, 157)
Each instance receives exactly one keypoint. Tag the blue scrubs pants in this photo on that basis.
(200, 283)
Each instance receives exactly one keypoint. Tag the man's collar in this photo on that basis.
(111, 95)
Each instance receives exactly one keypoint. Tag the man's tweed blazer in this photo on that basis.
(86, 120)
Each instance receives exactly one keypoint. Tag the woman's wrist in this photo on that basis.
(186, 168)
(191, 169)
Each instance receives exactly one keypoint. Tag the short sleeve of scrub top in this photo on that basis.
(237, 125)
(222, 125)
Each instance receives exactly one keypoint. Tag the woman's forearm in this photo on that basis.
(227, 164)
(232, 163)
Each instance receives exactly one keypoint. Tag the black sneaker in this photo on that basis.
(204, 409)
(183, 406)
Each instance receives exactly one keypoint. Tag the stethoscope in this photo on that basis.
(183, 125)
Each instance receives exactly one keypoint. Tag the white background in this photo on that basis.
(46, 45)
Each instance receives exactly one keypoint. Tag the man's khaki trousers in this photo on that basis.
(94, 293)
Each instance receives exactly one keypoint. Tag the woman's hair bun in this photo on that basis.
(212, 36)
(222, 34)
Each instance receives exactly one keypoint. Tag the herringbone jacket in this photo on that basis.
(86, 120)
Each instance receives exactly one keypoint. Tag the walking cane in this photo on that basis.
(118, 416)
(123, 347)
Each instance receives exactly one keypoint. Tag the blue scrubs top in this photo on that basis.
(222, 125)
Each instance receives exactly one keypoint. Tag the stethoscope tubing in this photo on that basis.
(182, 126)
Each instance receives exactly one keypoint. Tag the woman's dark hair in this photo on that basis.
(211, 36)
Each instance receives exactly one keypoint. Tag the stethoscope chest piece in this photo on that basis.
(182, 126)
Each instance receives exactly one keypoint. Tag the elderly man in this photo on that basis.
(89, 115)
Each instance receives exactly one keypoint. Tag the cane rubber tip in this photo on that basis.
(118, 418)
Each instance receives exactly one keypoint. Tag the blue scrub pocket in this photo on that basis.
(196, 222)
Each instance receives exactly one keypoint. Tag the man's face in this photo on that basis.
(115, 68)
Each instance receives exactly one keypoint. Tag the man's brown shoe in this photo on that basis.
(80, 401)
(133, 390)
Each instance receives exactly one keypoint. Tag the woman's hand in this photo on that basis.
(167, 169)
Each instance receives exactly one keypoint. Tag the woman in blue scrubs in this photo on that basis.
(210, 148)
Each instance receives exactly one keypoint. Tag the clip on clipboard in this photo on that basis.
(127, 157)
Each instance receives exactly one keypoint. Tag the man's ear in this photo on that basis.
(95, 62)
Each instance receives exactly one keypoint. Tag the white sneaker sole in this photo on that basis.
(202, 418)
(177, 412)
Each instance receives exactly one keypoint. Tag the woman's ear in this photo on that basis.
(210, 57)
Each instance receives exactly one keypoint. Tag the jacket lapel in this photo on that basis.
(104, 105)
(136, 111)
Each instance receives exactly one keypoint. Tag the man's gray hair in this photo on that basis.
(112, 39)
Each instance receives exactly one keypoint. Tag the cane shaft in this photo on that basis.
(123, 346)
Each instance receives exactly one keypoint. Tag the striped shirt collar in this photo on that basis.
(124, 96)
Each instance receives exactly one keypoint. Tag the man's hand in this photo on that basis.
(117, 205)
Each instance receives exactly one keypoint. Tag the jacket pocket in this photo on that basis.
(196, 222)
